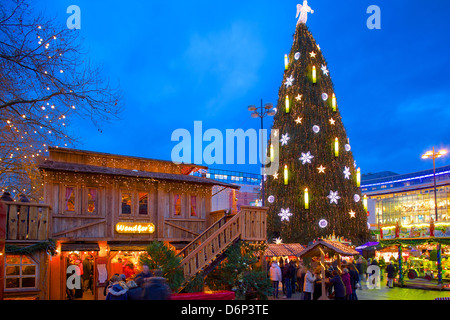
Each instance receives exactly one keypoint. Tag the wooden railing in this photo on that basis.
(26, 221)
(248, 224)
(202, 237)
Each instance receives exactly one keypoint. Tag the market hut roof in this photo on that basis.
(90, 169)
(283, 249)
(328, 246)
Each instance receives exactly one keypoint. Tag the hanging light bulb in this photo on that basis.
(286, 175)
(306, 199)
(287, 104)
(286, 62)
(333, 102)
(314, 74)
(336, 147)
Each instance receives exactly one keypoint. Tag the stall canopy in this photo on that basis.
(283, 249)
(328, 246)
(80, 247)
(128, 246)
(367, 246)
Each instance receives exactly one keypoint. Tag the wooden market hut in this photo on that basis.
(321, 248)
(102, 210)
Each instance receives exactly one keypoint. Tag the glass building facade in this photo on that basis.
(409, 198)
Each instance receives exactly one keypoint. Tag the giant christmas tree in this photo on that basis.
(316, 192)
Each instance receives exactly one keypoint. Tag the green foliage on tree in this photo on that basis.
(239, 272)
(162, 257)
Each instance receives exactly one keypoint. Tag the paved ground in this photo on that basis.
(385, 293)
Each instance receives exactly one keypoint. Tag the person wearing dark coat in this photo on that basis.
(288, 274)
(134, 291)
(339, 287)
(354, 278)
(144, 276)
(157, 288)
(116, 291)
(390, 269)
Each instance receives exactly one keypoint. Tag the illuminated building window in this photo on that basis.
(70, 199)
(177, 204)
(20, 273)
(143, 203)
(126, 203)
(92, 200)
(193, 206)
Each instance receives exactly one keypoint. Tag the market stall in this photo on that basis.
(326, 248)
(425, 252)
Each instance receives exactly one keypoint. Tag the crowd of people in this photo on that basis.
(146, 285)
(341, 283)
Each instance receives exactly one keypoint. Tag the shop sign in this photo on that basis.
(135, 227)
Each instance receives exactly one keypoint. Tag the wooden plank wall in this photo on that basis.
(87, 226)
(27, 221)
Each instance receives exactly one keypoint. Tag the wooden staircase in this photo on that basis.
(207, 250)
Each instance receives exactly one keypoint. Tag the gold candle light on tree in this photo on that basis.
(314, 74)
(306, 199)
(333, 102)
(365, 202)
(287, 104)
(272, 153)
(336, 147)
(358, 177)
(286, 175)
(286, 62)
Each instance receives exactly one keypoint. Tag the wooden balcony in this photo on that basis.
(26, 221)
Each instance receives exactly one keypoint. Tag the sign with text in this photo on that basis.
(135, 227)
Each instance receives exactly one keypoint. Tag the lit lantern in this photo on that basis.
(286, 62)
(272, 154)
(306, 199)
(358, 177)
(287, 104)
(336, 147)
(314, 74)
(333, 102)
(286, 175)
(365, 202)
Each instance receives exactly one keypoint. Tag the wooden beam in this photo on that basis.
(322, 269)
(181, 228)
(78, 228)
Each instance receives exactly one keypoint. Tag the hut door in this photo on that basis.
(81, 267)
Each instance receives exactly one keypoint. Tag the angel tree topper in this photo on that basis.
(302, 11)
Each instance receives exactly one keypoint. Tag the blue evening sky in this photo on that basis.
(182, 61)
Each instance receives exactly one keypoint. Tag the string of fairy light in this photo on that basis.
(29, 128)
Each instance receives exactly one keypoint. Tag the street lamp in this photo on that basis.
(433, 155)
(265, 111)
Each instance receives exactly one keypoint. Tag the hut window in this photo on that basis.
(193, 206)
(126, 203)
(177, 204)
(20, 272)
(70, 199)
(92, 200)
(143, 203)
